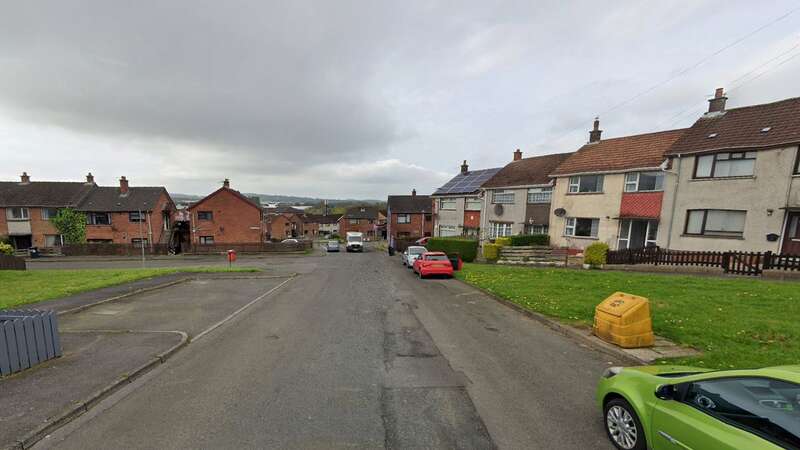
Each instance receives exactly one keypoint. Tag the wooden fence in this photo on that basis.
(113, 249)
(8, 262)
(738, 263)
(255, 247)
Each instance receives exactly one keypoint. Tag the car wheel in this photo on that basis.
(623, 426)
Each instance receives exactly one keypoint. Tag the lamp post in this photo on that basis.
(141, 234)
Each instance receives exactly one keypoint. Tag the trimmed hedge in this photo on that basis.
(491, 251)
(530, 239)
(502, 241)
(595, 254)
(467, 248)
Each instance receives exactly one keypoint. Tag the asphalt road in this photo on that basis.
(355, 352)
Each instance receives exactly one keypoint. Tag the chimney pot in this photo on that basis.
(24, 178)
(464, 167)
(594, 135)
(717, 104)
(123, 185)
(517, 155)
(89, 178)
(226, 183)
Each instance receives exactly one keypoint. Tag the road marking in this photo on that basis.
(235, 313)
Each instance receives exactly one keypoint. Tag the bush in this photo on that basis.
(72, 225)
(595, 254)
(530, 239)
(6, 249)
(467, 248)
(491, 251)
(502, 241)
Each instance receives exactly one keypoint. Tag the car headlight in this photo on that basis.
(612, 371)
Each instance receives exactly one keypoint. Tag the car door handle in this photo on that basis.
(674, 441)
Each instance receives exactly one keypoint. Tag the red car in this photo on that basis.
(433, 263)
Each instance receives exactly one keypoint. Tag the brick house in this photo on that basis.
(364, 219)
(409, 216)
(611, 190)
(326, 225)
(120, 215)
(285, 225)
(457, 205)
(226, 217)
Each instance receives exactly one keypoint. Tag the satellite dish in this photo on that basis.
(498, 209)
(560, 212)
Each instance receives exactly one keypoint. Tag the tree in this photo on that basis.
(71, 225)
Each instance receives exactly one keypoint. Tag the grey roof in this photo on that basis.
(361, 212)
(399, 204)
(320, 218)
(467, 183)
(109, 199)
(42, 193)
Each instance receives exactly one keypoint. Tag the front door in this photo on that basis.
(635, 234)
(791, 240)
(22, 242)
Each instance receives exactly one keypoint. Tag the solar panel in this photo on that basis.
(464, 184)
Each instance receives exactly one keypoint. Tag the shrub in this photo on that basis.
(503, 241)
(6, 249)
(467, 248)
(530, 239)
(595, 254)
(491, 251)
(72, 225)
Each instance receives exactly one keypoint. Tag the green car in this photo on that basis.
(680, 407)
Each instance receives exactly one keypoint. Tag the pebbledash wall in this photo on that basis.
(765, 196)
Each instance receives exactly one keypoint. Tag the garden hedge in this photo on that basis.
(530, 239)
(502, 241)
(491, 251)
(467, 248)
(595, 254)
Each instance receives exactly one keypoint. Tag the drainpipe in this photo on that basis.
(786, 209)
(484, 213)
(674, 199)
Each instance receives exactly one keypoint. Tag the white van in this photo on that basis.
(355, 241)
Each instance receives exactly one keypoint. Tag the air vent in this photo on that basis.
(712, 135)
(765, 129)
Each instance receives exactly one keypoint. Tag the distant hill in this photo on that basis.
(287, 199)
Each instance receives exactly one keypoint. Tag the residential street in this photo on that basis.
(356, 352)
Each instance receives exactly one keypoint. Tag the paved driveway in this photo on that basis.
(357, 353)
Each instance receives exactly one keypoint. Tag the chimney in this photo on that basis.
(24, 178)
(226, 184)
(717, 104)
(89, 178)
(517, 155)
(123, 186)
(594, 135)
(413, 193)
(464, 167)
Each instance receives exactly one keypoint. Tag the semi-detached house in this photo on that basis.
(611, 190)
(516, 200)
(226, 216)
(408, 216)
(457, 204)
(734, 180)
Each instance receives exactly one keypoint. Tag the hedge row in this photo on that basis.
(467, 248)
(530, 239)
(491, 251)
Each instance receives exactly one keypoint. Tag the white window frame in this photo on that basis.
(632, 181)
(59, 240)
(403, 218)
(575, 184)
(503, 197)
(704, 231)
(91, 218)
(500, 229)
(46, 213)
(474, 200)
(715, 158)
(625, 233)
(571, 224)
(447, 204)
(448, 230)
(532, 229)
(540, 194)
(203, 240)
(24, 213)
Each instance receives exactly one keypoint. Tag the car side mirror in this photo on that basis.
(666, 392)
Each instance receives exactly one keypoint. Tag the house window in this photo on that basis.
(586, 183)
(98, 219)
(139, 242)
(506, 197)
(52, 240)
(582, 227)
(448, 230)
(17, 213)
(637, 233)
(644, 181)
(540, 195)
(715, 222)
(722, 165)
(428, 217)
(500, 229)
(49, 213)
(404, 218)
(536, 229)
(353, 221)
(206, 240)
(205, 215)
(473, 204)
(135, 216)
(447, 203)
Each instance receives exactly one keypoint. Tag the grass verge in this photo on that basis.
(737, 323)
(29, 286)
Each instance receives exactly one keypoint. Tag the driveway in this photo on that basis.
(355, 352)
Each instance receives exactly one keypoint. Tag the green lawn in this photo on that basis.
(737, 323)
(29, 286)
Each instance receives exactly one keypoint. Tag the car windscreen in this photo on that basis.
(353, 238)
(436, 258)
(416, 250)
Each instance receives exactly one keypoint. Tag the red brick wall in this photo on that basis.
(414, 228)
(3, 223)
(363, 226)
(122, 230)
(235, 220)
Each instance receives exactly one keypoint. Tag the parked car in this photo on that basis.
(290, 241)
(411, 254)
(423, 241)
(680, 407)
(332, 246)
(433, 263)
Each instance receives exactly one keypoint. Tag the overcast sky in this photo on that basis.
(361, 99)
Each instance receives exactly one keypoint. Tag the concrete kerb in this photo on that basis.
(82, 407)
(568, 331)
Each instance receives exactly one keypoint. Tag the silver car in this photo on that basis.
(411, 254)
(332, 246)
